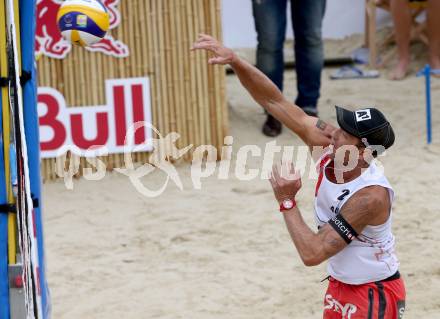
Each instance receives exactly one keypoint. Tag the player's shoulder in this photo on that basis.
(370, 198)
(367, 206)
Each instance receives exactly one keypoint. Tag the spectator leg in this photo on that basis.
(401, 13)
(270, 24)
(309, 56)
(434, 33)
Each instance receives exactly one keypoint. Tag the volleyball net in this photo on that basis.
(23, 288)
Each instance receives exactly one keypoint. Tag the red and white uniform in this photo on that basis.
(367, 260)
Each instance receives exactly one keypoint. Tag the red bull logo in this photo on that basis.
(50, 42)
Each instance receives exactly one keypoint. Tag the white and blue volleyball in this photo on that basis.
(83, 22)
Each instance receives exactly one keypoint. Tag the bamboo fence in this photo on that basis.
(187, 95)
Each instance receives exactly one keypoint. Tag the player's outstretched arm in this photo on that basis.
(311, 130)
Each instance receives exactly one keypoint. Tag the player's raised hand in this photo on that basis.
(222, 55)
(285, 181)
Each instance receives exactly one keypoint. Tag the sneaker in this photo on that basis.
(272, 127)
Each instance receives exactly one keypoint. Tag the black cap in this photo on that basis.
(368, 124)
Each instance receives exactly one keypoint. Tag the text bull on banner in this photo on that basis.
(76, 129)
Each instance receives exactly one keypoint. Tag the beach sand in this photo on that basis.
(223, 251)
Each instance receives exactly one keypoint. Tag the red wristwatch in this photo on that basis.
(287, 204)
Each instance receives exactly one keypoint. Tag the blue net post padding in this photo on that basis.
(27, 27)
(4, 280)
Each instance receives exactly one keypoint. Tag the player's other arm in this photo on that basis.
(369, 206)
(311, 130)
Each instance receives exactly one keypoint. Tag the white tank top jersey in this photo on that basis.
(371, 256)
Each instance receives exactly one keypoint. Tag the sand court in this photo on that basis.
(223, 251)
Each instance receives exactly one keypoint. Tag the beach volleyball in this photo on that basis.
(83, 22)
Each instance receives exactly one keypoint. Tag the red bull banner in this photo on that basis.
(104, 106)
(96, 130)
(49, 41)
